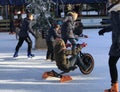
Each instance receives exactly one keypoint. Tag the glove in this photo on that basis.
(84, 44)
(68, 45)
(101, 32)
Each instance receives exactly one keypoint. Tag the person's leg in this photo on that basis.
(29, 42)
(73, 42)
(82, 64)
(20, 42)
(48, 54)
(113, 74)
(72, 60)
(113, 68)
(52, 51)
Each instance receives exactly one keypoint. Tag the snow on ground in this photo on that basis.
(25, 75)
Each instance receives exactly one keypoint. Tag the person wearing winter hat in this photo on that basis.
(114, 52)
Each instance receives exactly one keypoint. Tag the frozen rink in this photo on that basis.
(25, 75)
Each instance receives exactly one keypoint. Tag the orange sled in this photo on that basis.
(63, 78)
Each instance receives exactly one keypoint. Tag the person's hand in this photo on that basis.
(84, 44)
(101, 32)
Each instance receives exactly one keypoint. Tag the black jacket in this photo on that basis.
(26, 28)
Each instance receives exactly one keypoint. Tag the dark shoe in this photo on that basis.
(30, 55)
(15, 54)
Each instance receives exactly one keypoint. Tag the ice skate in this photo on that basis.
(30, 55)
(15, 54)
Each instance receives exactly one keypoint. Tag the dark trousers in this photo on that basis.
(20, 42)
(72, 60)
(50, 52)
(113, 68)
(72, 41)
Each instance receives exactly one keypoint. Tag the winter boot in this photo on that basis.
(15, 54)
(30, 55)
(114, 88)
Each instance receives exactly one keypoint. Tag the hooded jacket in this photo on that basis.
(61, 54)
(26, 28)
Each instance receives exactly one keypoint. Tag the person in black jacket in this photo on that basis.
(24, 35)
(53, 33)
(114, 53)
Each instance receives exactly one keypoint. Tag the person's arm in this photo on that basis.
(31, 30)
(105, 29)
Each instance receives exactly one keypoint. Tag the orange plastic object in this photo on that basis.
(47, 74)
(65, 78)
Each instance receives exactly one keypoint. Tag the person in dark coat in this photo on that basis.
(53, 33)
(24, 35)
(67, 29)
(114, 52)
(78, 30)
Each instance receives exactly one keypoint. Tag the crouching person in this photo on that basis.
(64, 63)
(61, 56)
